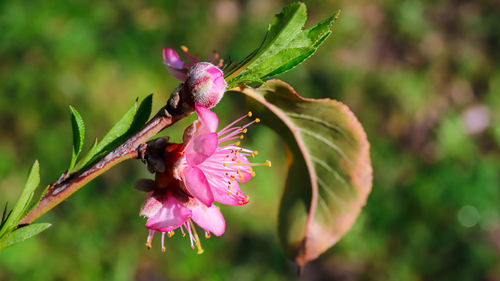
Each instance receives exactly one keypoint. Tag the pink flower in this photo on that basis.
(211, 171)
(204, 81)
(195, 174)
(169, 208)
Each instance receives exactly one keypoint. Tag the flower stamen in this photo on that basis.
(150, 239)
(163, 249)
(265, 164)
(196, 238)
(182, 231)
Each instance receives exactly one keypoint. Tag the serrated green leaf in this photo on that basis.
(78, 136)
(142, 115)
(119, 129)
(22, 234)
(86, 159)
(285, 46)
(329, 169)
(23, 201)
(130, 123)
(116, 131)
(5, 215)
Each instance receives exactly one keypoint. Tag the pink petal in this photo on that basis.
(151, 206)
(207, 117)
(170, 216)
(243, 169)
(197, 184)
(178, 74)
(235, 197)
(200, 148)
(175, 65)
(209, 218)
(172, 58)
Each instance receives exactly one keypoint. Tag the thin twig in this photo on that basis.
(175, 110)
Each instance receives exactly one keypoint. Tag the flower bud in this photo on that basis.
(205, 84)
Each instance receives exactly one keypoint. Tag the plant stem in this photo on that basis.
(175, 110)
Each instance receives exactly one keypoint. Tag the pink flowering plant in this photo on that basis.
(328, 161)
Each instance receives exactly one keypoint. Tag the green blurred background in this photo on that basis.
(423, 77)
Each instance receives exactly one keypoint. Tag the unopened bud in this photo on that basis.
(205, 84)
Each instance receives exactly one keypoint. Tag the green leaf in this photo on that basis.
(285, 46)
(329, 169)
(78, 136)
(5, 215)
(119, 129)
(23, 201)
(22, 234)
(133, 120)
(142, 115)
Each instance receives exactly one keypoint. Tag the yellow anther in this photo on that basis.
(184, 48)
(163, 249)
(241, 176)
(268, 163)
(218, 208)
(249, 114)
(238, 161)
(253, 174)
(229, 193)
(229, 188)
(244, 131)
(148, 245)
(183, 234)
(238, 193)
(242, 137)
(257, 120)
(207, 235)
(256, 152)
(238, 171)
(240, 202)
(237, 143)
(200, 250)
(253, 155)
(248, 197)
(170, 234)
(250, 169)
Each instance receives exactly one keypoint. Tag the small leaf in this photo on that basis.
(23, 201)
(86, 159)
(22, 234)
(133, 120)
(78, 136)
(329, 169)
(119, 129)
(142, 115)
(5, 215)
(285, 46)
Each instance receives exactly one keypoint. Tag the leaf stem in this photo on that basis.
(58, 191)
